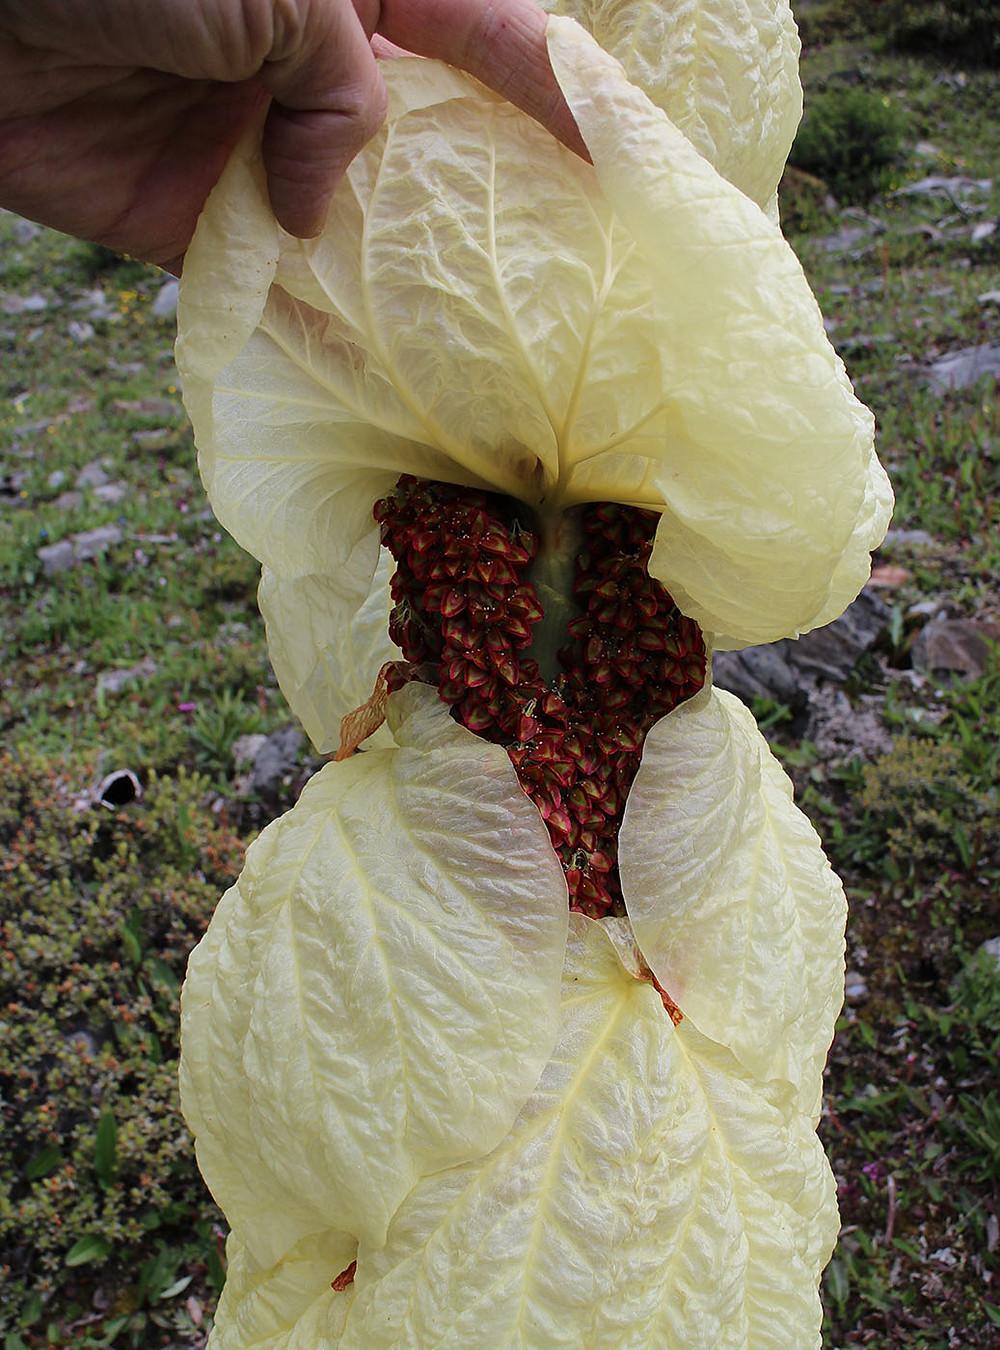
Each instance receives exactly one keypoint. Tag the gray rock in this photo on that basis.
(277, 757)
(862, 342)
(156, 439)
(759, 672)
(986, 229)
(989, 298)
(149, 407)
(831, 653)
(909, 539)
(23, 304)
(246, 749)
(958, 186)
(165, 304)
(960, 369)
(111, 493)
(80, 330)
(96, 306)
(956, 645)
(25, 231)
(268, 761)
(855, 986)
(56, 478)
(77, 548)
(841, 729)
(847, 239)
(111, 681)
(92, 475)
(68, 501)
(786, 671)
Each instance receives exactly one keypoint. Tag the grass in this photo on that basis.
(106, 1234)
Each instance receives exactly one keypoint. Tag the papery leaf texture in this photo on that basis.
(377, 995)
(327, 637)
(651, 1193)
(732, 901)
(289, 1305)
(726, 73)
(485, 308)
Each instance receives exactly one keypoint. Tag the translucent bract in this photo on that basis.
(399, 1051)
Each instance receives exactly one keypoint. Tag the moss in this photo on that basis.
(98, 913)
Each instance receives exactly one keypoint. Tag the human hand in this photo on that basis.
(116, 117)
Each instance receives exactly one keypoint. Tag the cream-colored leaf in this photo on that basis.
(726, 72)
(286, 1306)
(764, 456)
(327, 637)
(651, 1193)
(734, 905)
(232, 258)
(377, 995)
(485, 308)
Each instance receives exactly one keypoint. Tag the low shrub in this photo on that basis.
(969, 29)
(852, 140)
(98, 1184)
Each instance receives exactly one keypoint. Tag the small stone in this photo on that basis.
(909, 539)
(863, 342)
(56, 478)
(77, 548)
(846, 239)
(149, 407)
(923, 609)
(165, 304)
(246, 749)
(111, 493)
(111, 681)
(989, 298)
(855, 986)
(156, 439)
(92, 475)
(957, 186)
(986, 229)
(25, 231)
(68, 501)
(963, 368)
(23, 304)
(956, 645)
(79, 330)
(96, 306)
(276, 758)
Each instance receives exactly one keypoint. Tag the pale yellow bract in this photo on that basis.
(398, 1048)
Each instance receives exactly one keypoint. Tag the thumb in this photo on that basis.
(328, 100)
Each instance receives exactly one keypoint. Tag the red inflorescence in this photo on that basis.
(464, 612)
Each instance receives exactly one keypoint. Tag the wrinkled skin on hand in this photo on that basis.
(116, 119)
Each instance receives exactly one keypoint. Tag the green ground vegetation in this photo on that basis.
(106, 1234)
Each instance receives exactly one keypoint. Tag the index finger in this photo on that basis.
(500, 42)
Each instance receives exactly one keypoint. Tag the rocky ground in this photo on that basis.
(145, 743)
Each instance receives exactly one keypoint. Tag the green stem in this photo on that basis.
(552, 575)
